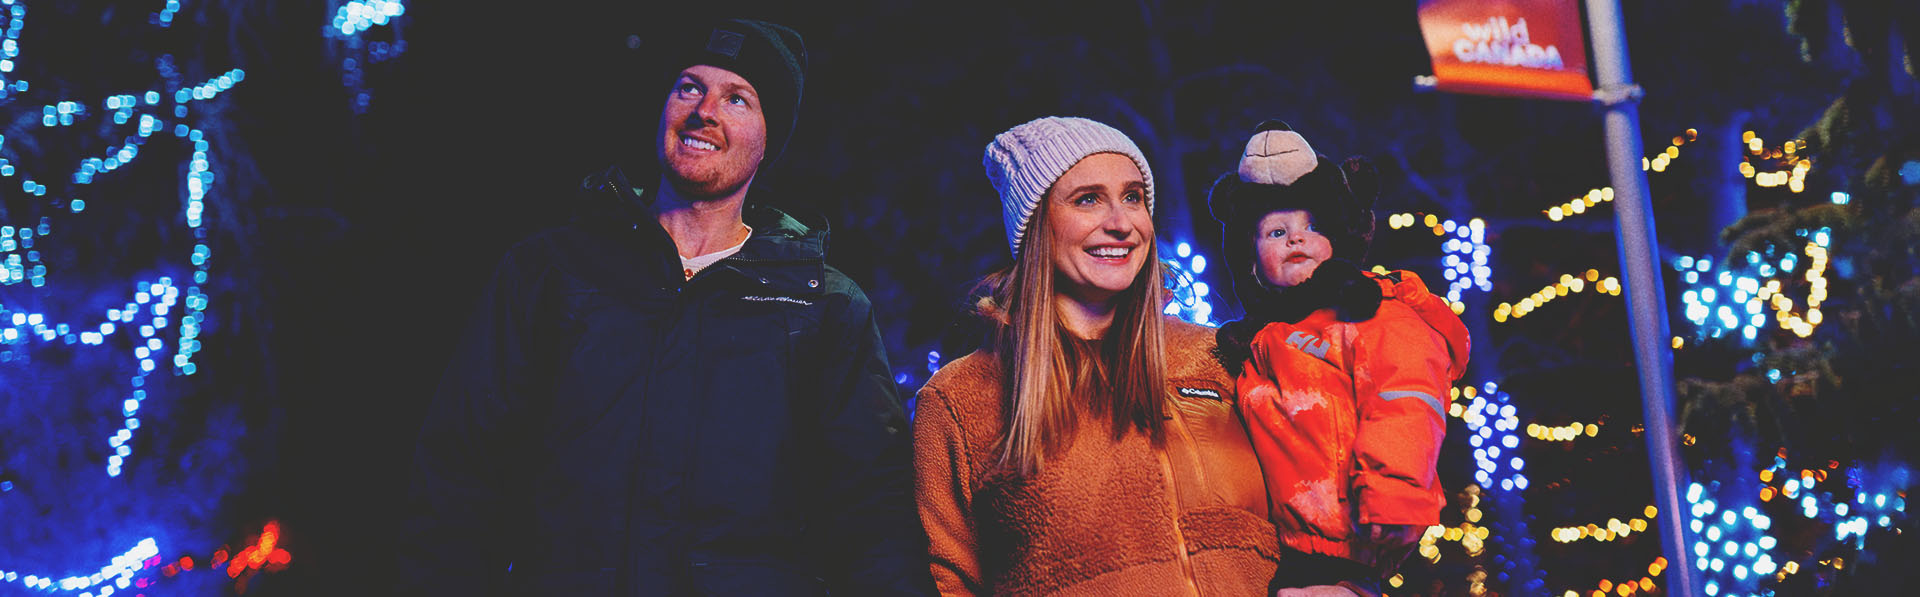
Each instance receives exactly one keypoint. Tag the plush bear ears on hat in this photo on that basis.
(1278, 168)
(1276, 155)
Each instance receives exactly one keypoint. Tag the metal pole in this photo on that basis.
(1646, 298)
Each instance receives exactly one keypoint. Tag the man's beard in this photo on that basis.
(713, 186)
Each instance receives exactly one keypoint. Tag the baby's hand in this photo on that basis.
(1388, 545)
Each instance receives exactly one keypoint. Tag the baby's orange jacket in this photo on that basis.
(1347, 417)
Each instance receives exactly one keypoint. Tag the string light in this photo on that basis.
(1464, 263)
(263, 553)
(156, 298)
(1192, 299)
(1568, 284)
(119, 571)
(1580, 205)
(1624, 588)
(1471, 537)
(1563, 433)
(1491, 423)
(352, 23)
(1613, 529)
(1731, 546)
(1733, 298)
(1727, 300)
(152, 301)
(1791, 168)
(361, 15)
(161, 317)
(1491, 427)
(164, 18)
(1802, 490)
(1657, 162)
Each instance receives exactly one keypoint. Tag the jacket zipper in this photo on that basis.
(1173, 511)
(682, 536)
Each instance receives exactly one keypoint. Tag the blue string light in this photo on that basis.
(352, 22)
(1464, 261)
(1466, 258)
(16, 20)
(118, 573)
(164, 18)
(154, 305)
(1732, 541)
(1192, 299)
(1492, 423)
(1734, 300)
(361, 15)
(1731, 547)
(1492, 430)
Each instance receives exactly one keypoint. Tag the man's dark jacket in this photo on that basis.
(609, 428)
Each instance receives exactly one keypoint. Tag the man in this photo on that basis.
(675, 395)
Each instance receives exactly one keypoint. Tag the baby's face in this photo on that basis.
(1289, 248)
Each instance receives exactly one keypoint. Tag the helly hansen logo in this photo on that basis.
(1308, 343)
(1199, 393)
(777, 299)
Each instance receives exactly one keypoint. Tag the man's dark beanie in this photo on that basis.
(770, 57)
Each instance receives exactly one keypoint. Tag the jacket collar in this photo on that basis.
(780, 237)
(783, 252)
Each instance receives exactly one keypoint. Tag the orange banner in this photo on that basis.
(1524, 48)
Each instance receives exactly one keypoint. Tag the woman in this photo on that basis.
(1091, 447)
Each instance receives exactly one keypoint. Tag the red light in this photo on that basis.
(219, 556)
(279, 557)
(186, 562)
(270, 536)
(247, 558)
(169, 571)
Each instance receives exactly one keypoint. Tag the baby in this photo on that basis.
(1343, 374)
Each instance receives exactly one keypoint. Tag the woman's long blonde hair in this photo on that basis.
(1049, 376)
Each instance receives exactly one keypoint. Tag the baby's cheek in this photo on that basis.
(1270, 262)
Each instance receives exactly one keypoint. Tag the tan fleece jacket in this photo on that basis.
(1106, 516)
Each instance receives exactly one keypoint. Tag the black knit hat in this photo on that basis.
(1280, 171)
(771, 57)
